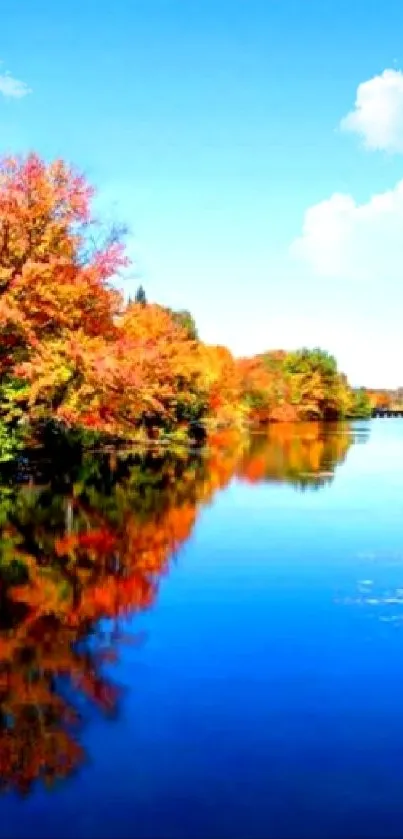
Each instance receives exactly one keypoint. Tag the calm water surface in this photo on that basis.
(206, 648)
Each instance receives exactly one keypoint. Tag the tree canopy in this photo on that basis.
(73, 352)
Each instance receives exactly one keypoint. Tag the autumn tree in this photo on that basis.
(55, 285)
(223, 385)
(266, 388)
(171, 366)
(379, 398)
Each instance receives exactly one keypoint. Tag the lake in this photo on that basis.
(206, 646)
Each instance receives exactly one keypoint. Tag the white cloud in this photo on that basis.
(357, 242)
(378, 112)
(12, 88)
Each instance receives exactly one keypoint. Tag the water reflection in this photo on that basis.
(90, 542)
(305, 456)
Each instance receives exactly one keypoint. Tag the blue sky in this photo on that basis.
(213, 128)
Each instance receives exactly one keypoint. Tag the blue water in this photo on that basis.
(265, 695)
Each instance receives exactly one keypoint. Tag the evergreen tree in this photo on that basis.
(140, 296)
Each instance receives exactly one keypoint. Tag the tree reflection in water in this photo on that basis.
(91, 541)
(304, 455)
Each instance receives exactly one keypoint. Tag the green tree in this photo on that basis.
(360, 404)
(140, 296)
(318, 389)
(186, 320)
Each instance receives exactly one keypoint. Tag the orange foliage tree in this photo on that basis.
(69, 349)
(55, 292)
(223, 385)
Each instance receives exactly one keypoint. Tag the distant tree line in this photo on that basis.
(385, 399)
